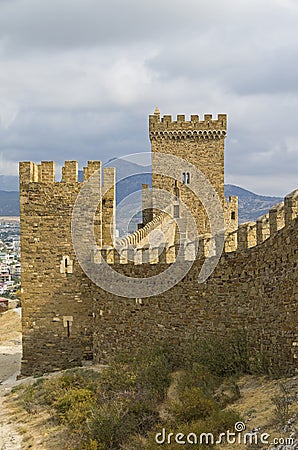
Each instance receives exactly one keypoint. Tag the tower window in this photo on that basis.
(176, 211)
(233, 215)
(67, 323)
(66, 265)
(68, 328)
(186, 178)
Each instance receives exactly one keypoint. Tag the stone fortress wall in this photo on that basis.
(253, 288)
(67, 319)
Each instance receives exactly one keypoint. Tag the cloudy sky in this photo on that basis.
(78, 79)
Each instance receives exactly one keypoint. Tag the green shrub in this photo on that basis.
(193, 405)
(223, 357)
(282, 404)
(218, 422)
(228, 392)
(29, 399)
(74, 407)
(259, 364)
(146, 371)
(55, 387)
(197, 376)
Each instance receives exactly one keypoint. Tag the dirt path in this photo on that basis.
(10, 361)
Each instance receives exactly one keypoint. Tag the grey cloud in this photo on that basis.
(78, 79)
(67, 24)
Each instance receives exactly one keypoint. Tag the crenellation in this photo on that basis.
(147, 211)
(167, 118)
(92, 167)
(85, 174)
(39, 173)
(246, 236)
(180, 119)
(263, 228)
(47, 172)
(157, 125)
(254, 233)
(109, 207)
(276, 218)
(208, 119)
(231, 241)
(28, 172)
(291, 207)
(107, 253)
(70, 172)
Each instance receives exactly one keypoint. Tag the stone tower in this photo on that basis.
(200, 142)
(57, 296)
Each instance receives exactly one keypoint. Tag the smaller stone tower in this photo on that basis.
(57, 296)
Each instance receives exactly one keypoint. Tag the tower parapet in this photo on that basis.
(208, 128)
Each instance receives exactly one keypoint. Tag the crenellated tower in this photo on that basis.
(57, 297)
(200, 142)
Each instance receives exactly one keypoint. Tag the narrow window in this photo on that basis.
(233, 215)
(68, 328)
(186, 178)
(176, 211)
(65, 263)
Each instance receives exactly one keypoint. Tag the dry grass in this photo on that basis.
(10, 326)
(257, 408)
(37, 430)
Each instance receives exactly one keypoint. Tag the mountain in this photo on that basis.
(251, 206)
(130, 177)
(9, 203)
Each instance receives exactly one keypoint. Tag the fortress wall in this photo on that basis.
(254, 289)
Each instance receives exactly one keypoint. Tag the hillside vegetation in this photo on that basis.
(127, 404)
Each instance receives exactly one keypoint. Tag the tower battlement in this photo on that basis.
(209, 127)
(45, 172)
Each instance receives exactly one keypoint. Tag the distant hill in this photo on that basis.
(251, 206)
(132, 176)
(9, 203)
